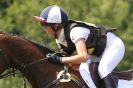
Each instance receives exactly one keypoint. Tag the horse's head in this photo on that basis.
(16, 51)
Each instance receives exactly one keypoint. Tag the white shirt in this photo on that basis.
(79, 32)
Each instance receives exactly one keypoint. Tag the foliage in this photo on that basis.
(17, 16)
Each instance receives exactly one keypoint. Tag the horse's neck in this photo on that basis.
(22, 51)
(42, 74)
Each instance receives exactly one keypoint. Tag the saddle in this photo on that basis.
(124, 75)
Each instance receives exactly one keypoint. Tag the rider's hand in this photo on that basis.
(53, 58)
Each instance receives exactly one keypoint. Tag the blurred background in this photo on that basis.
(17, 17)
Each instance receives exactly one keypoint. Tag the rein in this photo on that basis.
(24, 66)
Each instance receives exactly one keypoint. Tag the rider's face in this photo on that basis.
(49, 31)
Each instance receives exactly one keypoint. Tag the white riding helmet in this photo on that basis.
(52, 14)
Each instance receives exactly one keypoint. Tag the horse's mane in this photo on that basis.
(43, 48)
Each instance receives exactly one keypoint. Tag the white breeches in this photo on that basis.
(111, 56)
(85, 73)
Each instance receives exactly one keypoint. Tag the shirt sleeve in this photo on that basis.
(78, 33)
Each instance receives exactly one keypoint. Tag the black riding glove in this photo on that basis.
(53, 58)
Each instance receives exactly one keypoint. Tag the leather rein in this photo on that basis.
(24, 66)
(14, 71)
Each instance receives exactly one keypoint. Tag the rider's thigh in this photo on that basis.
(111, 56)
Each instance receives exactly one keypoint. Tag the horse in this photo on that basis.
(30, 59)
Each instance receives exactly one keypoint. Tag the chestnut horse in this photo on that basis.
(30, 59)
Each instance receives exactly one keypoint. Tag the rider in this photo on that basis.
(80, 36)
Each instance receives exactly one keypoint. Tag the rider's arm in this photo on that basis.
(78, 36)
(81, 55)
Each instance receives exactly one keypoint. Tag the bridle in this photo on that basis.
(24, 66)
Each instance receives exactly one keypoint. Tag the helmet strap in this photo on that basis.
(55, 29)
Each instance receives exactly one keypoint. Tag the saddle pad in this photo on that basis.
(125, 83)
